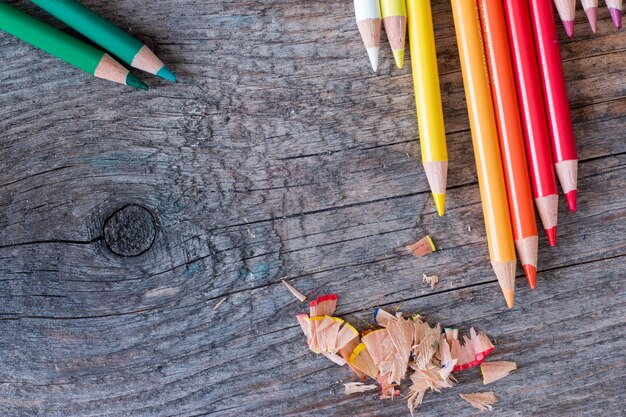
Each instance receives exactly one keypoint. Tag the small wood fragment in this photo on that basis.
(295, 292)
(432, 280)
(356, 387)
(422, 247)
(218, 305)
(481, 400)
(493, 371)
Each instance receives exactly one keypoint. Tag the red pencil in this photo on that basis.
(555, 95)
(530, 97)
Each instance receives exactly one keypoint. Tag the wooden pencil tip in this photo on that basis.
(592, 16)
(505, 272)
(571, 200)
(531, 275)
(440, 203)
(167, 74)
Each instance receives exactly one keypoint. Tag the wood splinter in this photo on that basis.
(481, 400)
(295, 292)
(493, 371)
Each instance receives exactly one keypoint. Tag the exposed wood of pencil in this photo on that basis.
(395, 20)
(510, 135)
(110, 69)
(485, 142)
(147, 61)
(567, 13)
(591, 10)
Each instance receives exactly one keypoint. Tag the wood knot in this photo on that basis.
(130, 231)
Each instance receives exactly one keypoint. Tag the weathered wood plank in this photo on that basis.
(279, 154)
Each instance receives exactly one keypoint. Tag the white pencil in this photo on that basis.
(369, 21)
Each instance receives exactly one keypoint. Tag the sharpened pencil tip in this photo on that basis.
(616, 14)
(398, 56)
(509, 296)
(440, 203)
(167, 74)
(373, 55)
(531, 275)
(133, 81)
(569, 27)
(592, 16)
(551, 233)
(571, 200)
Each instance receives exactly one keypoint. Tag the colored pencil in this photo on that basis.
(106, 35)
(567, 13)
(615, 7)
(394, 19)
(510, 135)
(591, 10)
(65, 47)
(555, 97)
(428, 99)
(532, 110)
(485, 142)
(368, 20)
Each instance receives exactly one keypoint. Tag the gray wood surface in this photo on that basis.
(280, 154)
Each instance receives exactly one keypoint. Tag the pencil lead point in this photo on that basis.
(167, 74)
(571, 200)
(440, 203)
(509, 296)
(133, 81)
(551, 232)
(616, 14)
(398, 56)
(569, 27)
(592, 16)
(373, 55)
(531, 275)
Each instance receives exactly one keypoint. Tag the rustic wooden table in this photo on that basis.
(126, 216)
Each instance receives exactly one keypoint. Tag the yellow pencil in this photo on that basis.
(486, 149)
(394, 20)
(428, 98)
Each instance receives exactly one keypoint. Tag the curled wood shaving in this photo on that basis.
(423, 247)
(481, 400)
(493, 371)
(295, 292)
(356, 387)
(432, 280)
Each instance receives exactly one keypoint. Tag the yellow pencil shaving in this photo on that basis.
(423, 247)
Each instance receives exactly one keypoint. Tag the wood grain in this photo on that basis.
(280, 154)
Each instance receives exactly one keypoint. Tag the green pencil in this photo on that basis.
(65, 47)
(107, 35)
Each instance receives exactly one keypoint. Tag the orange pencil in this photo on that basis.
(485, 141)
(521, 206)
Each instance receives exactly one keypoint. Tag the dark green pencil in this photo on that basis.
(65, 47)
(107, 35)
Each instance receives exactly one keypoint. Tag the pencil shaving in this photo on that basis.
(432, 280)
(295, 292)
(356, 387)
(421, 248)
(481, 400)
(218, 305)
(493, 371)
